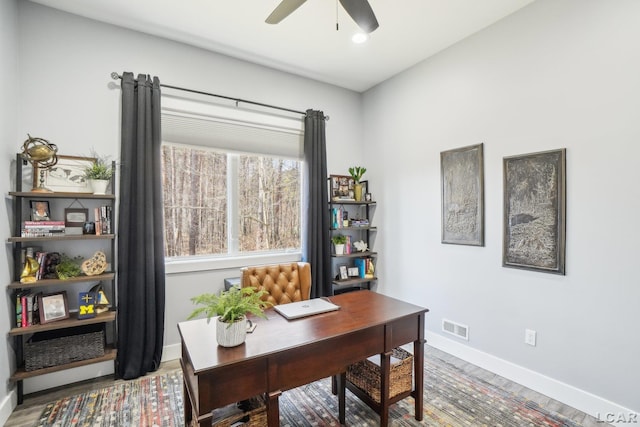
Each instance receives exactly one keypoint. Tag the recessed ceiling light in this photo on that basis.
(360, 38)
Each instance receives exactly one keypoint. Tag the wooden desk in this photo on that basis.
(282, 354)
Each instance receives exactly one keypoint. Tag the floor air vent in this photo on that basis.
(457, 329)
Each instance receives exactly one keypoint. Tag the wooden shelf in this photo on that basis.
(61, 238)
(356, 255)
(351, 202)
(73, 321)
(52, 282)
(353, 281)
(57, 195)
(110, 353)
(363, 228)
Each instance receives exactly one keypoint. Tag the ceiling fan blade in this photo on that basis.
(284, 9)
(362, 14)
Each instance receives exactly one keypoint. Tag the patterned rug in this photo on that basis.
(452, 398)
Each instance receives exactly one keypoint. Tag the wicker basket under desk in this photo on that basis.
(248, 413)
(366, 374)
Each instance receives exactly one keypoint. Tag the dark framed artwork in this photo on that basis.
(462, 180)
(53, 307)
(534, 211)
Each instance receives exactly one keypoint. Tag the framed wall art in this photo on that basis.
(462, 180)
(534, 211)
(67, 175)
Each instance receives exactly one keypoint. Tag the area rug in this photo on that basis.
(452, 398)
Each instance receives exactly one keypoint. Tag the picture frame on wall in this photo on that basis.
(462, 192)
(53, 307)
(534, 211)
(67, 175)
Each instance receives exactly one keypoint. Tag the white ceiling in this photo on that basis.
(306, 43)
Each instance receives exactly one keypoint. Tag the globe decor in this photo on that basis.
(42, 155)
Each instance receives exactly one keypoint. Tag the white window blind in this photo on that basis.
(186, 121)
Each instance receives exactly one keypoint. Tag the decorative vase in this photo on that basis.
(357, 192)
(231, 334)
(99, 186)
(339, 249)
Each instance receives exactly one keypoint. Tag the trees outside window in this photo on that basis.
(223, 203)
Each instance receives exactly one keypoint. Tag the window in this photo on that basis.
(231, 187)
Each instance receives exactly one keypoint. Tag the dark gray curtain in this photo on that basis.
(141, 291)
(316, 245)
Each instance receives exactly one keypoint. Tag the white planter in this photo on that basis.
(339, 249)
(99, 186)
(231, 334)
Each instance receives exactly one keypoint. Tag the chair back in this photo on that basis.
(284, 283)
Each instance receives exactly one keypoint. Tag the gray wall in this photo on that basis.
(68, 97)
(557, 74)
(560, 73)
(8, 115)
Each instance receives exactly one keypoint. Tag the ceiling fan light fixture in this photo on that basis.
(359, 38)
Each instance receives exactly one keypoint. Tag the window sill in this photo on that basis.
(192, 264)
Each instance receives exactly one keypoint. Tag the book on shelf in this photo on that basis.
(104, 220)
(27, 311)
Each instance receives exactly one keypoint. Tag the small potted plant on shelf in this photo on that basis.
(356, 173)
(231, 307)
(99, 174)
(339, 241)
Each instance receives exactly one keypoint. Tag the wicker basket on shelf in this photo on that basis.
(366, 374)
(63, 350)
(247, 413)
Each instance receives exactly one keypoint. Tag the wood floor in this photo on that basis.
(26, 415)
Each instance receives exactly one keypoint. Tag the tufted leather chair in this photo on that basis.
(285, 283)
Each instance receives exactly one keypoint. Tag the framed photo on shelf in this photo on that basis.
(343, 272)
(75, 217)
(67, 175)
(53, 307)
(40, 210)
(341, 187)
(353, 272)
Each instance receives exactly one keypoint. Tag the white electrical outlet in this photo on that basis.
(530, 337)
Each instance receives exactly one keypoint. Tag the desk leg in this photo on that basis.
(385, 367)
(273, 409)
(341, 384)
(418, 369)
(188, 409)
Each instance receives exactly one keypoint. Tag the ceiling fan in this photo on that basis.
(359, 10)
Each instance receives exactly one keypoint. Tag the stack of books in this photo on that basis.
(42, 228)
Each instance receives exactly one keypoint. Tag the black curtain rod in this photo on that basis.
(116, 76)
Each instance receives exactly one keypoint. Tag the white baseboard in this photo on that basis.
(171, 352)
(7, 406)
(604, 410)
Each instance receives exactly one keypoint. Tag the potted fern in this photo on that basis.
(98, 175)
(231, 307)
